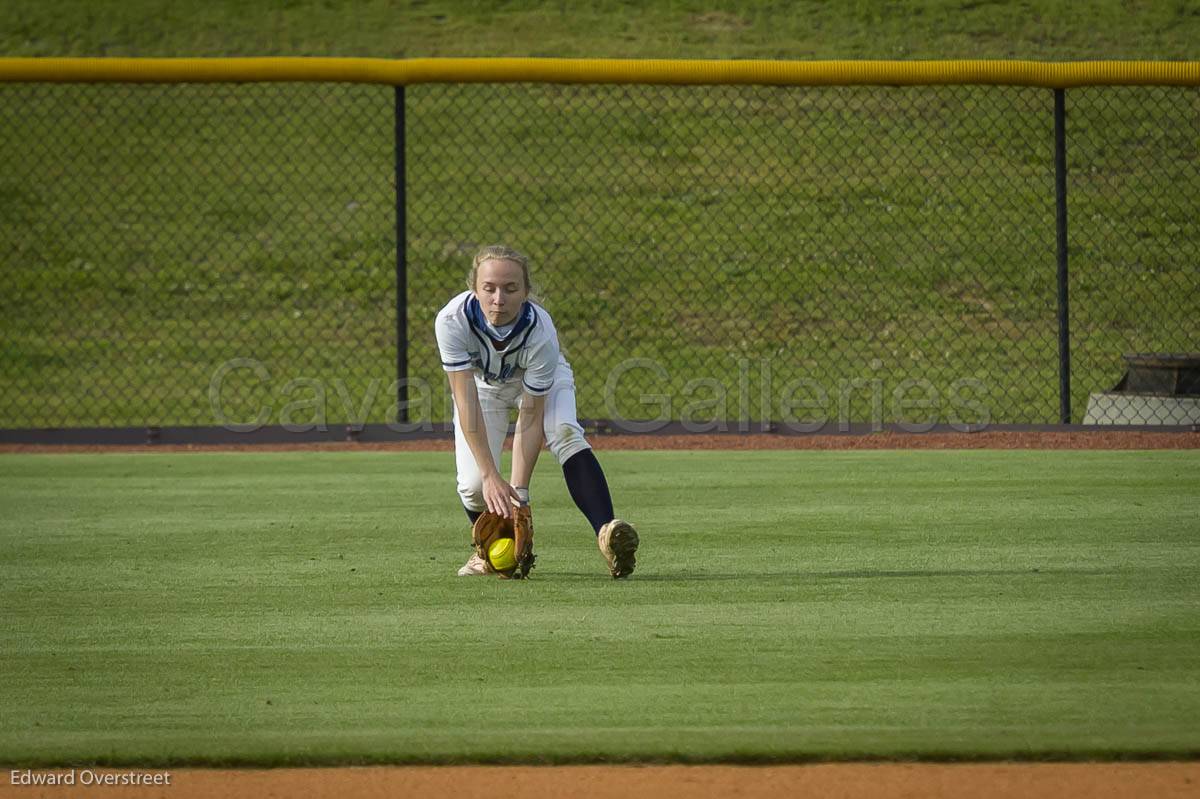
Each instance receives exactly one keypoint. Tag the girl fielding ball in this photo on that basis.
(500, 351)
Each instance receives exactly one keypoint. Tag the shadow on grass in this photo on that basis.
(851, 574)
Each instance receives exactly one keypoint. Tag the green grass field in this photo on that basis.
(302, 608)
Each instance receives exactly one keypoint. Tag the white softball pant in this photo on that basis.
(564, 435)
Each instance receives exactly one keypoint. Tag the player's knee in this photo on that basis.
(565, 440)
(471, 494)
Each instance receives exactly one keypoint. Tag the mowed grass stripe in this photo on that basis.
(271, 608)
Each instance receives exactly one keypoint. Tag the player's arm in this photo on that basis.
(528, 439)
(496, 493)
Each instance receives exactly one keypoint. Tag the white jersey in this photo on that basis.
(529, 352)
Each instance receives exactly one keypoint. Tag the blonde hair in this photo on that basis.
(500, 252)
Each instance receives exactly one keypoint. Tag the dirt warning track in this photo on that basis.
(988, 439)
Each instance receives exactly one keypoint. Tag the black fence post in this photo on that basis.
(1064, 318)
(401, 264)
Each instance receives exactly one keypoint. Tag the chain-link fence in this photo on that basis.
(226, 254)
(1135, 248)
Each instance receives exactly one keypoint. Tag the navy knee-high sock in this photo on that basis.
(589, 489)
(472, 514)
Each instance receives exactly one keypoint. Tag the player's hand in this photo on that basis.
(499, 495)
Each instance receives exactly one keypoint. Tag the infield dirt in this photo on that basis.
(832, 781)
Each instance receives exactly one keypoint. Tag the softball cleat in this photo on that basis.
(618, 543)
(475, 566)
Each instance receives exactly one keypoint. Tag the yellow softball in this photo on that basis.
(502, 553)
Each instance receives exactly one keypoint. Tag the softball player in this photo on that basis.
(500, 351)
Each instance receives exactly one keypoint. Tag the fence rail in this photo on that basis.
(632, 72)
(213, 243)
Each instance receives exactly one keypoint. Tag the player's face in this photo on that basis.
(500, 288)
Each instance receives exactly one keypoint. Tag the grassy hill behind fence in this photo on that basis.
(829, 235)
(907, 29)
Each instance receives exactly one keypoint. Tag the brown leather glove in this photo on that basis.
(523, 533)
(487, 530)
(490, 527)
